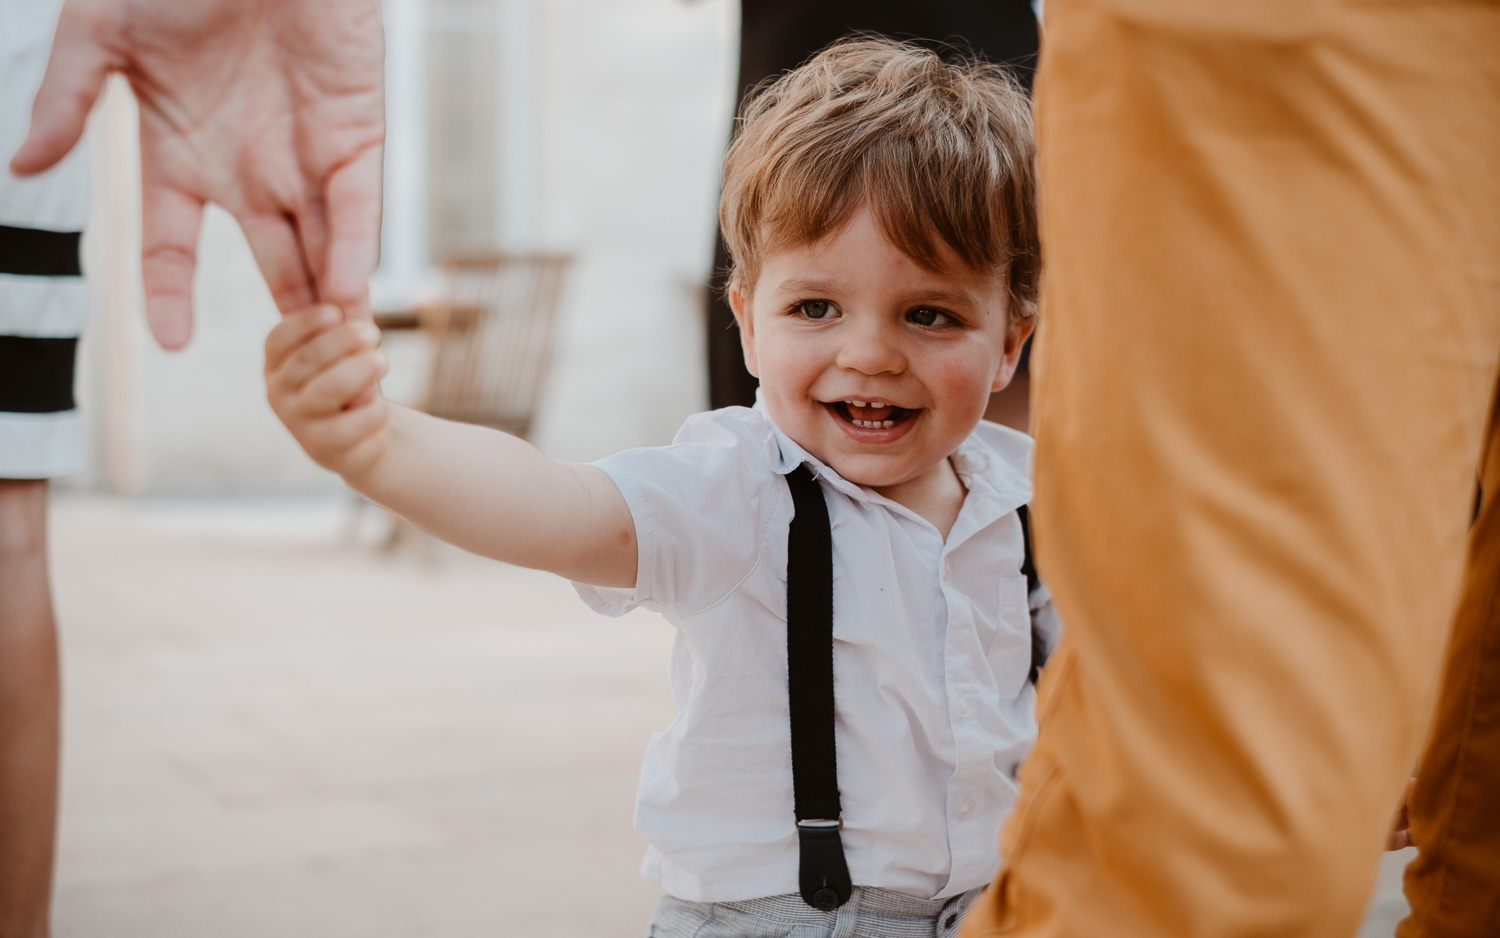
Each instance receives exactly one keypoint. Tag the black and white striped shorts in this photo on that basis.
(43, 298)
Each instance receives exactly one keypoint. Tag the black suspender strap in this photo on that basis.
(1028, 568)
(823, 874)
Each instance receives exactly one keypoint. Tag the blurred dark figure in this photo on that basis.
(778, 35)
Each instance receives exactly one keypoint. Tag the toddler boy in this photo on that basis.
(878, 204)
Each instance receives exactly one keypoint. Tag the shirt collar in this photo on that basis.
(994, 463)
(786, 454)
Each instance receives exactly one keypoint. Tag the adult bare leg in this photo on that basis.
(28, 712)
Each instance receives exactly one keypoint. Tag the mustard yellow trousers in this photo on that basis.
(1270, 331)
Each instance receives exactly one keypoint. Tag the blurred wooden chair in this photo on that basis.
(492, 338)
(491, 332)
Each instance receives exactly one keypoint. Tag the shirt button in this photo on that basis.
(965, 707)
(964, 808)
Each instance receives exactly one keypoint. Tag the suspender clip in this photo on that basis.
(823, 873)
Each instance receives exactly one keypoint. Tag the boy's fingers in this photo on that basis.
(1400, 836)
(364, 397)
(294, 331)
(322, 350)
(347, 429)
(331, 390)
(345, 440)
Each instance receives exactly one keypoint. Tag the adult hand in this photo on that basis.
(273, 109)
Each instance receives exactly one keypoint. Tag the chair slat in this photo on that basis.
(493, 336)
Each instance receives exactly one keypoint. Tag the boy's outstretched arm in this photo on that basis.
(483, 490)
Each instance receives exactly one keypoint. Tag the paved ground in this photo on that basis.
(276, 730)
(273, 733)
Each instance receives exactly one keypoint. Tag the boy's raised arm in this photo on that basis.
(497, 495)
(480, 489)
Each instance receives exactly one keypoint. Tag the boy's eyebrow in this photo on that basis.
(951, 296)
(946, 295)
(808, 285)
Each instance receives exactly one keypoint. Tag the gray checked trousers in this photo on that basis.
(869, 913)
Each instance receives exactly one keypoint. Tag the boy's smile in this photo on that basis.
(871, 415)
(872, 363)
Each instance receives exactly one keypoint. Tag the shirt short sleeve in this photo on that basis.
(701, 507)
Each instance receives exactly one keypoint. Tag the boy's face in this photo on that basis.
(834, 328)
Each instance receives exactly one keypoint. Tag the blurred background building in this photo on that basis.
(588, 127)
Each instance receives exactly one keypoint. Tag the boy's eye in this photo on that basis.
(815, 309)
(926, 316)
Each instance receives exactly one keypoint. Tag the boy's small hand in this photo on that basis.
(322, 379)
(1400, 836)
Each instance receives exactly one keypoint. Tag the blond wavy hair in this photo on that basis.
(941, 152)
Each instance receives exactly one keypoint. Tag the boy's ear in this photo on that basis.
(740, 304)
(1015, 340)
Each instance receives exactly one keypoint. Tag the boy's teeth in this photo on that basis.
(871, 415)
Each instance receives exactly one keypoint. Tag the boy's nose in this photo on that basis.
(872, 349)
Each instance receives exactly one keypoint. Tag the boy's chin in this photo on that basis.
(876, 472)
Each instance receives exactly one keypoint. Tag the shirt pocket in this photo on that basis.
(1009, 651)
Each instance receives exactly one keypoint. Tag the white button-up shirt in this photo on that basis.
(932, 650)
